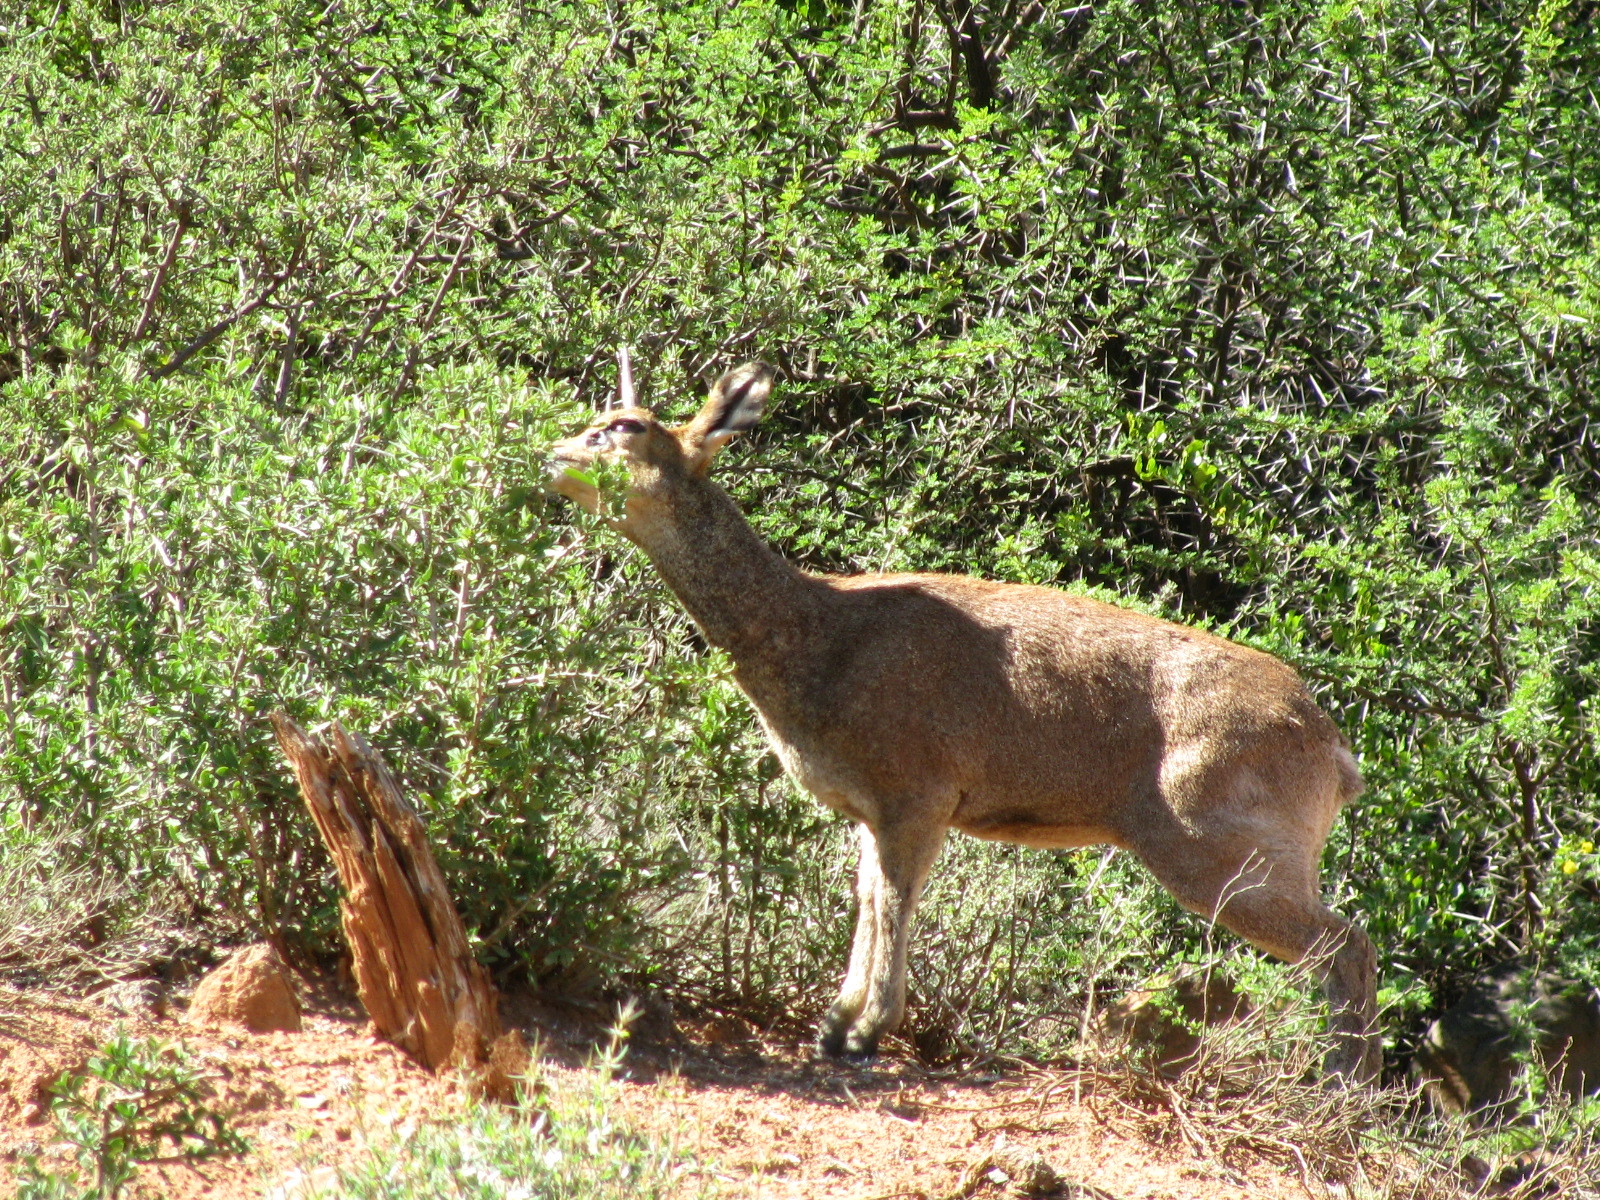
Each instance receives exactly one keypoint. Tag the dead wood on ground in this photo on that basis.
(413, 967)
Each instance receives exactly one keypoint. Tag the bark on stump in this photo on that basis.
(415, 972)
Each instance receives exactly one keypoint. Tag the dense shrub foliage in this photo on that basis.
(1277, 318)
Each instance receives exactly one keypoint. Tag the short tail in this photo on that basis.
(1351, 784)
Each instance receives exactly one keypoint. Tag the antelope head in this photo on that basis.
(630, 469)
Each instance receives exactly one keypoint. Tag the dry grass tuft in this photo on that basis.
(64, 920)
(1255, 1092)
(1251, 1093)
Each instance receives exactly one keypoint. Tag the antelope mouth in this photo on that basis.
(571, 478)
(558, 467)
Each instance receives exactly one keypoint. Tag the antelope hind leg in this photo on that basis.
(1350, 980)
(1271, 900)
(1292, 925)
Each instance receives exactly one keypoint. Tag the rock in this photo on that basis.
(1022, 1171)
(1531, 1175)
(252, 988)
(656, 1021)
(1028, 1172)
(728, 1029)
(135, 998)
(1166, 1017)
(1468, 1058)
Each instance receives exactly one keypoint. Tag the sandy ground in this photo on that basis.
(299, 1098)
(762, 1118)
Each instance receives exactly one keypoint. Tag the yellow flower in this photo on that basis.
(1586, 847)
(1569, 867)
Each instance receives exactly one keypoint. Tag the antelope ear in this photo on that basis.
(735, 404)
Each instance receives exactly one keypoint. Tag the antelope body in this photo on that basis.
(914, 704)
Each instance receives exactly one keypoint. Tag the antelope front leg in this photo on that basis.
(894, 866)
(853, 994)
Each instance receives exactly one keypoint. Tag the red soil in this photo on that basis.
(763, 1119)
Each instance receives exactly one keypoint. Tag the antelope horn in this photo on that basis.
(624, 378)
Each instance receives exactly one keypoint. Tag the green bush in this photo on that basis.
(133, 1101)
(1276, 318)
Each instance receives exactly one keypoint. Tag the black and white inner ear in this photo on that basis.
(741, 397)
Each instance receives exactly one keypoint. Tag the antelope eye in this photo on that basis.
(625, 425)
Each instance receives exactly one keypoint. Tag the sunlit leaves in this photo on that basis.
(1273, 318)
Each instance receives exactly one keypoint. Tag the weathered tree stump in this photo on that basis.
(415, 972)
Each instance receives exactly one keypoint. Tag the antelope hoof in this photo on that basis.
(843, 1045)
(830, 1038)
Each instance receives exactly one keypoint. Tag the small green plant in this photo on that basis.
(562, 1142)
(131, 1099)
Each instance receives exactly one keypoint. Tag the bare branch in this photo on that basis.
(216, 330)
(963, 25)
(142, 326)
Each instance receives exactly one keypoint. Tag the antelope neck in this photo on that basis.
(744, 596)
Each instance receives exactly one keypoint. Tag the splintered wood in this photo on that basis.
(415, 972)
